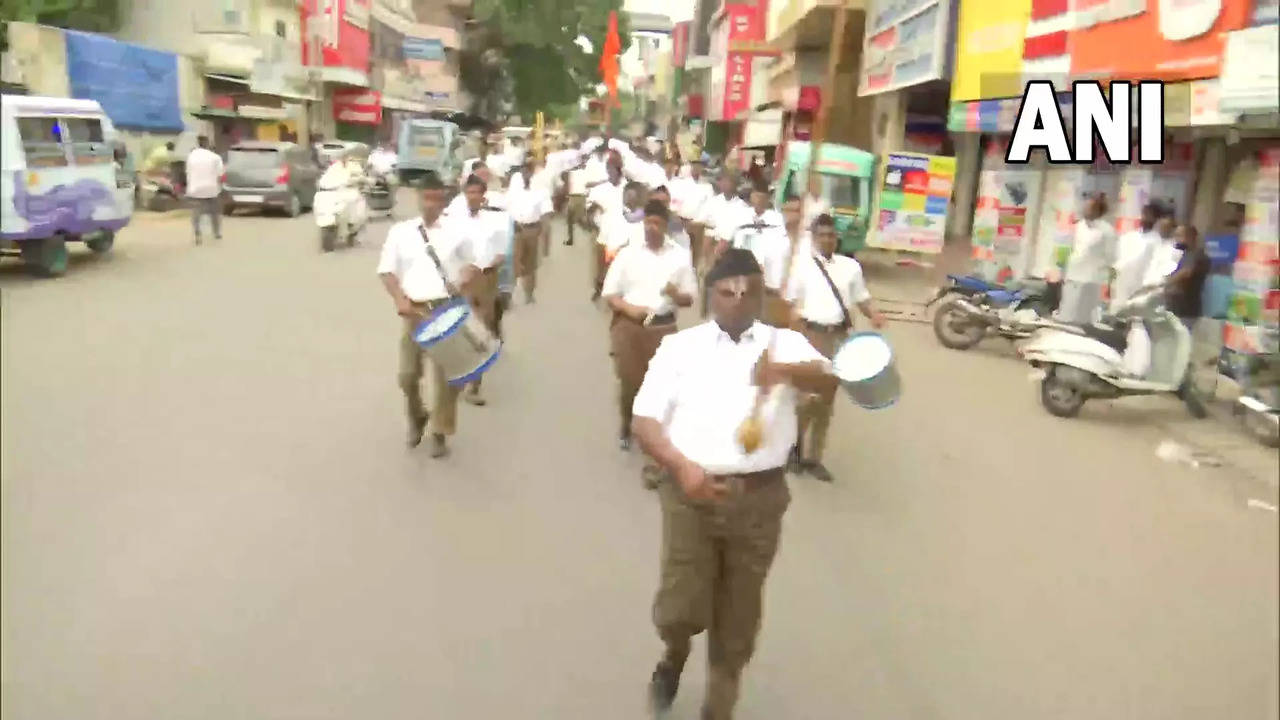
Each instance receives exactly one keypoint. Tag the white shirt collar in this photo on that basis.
(756, 330)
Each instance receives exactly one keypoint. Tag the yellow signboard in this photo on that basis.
(989, 37)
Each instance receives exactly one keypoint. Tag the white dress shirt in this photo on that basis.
(485, 230)
(722, 215)
(1164, 261)
(608, 197)
(699, 386)
(616, 231)
(404, 254)
(204, 174)
(597, 171)
(812, 294)
(1093, 252)
(693, 197)
(765, 236)
(813, 207)
(639, 273)
(578, 181)
(1133, 256)
(528, 206)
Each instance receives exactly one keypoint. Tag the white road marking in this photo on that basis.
(1262, 505)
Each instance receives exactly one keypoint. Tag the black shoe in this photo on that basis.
(662, 688)
(624, 443)
(416, 429)
(794, 465)
(820, 472)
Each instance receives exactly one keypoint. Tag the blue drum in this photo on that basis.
(864, 364)
(456, 339)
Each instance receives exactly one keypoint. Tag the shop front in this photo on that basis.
(339, 50)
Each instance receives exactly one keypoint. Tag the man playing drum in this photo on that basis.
(721, 506)
(645, 284)
(530, 206)
(823, 287)
(423, 264)
(483, 228)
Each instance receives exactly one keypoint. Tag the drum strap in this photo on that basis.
(848, 321)
(444, 276)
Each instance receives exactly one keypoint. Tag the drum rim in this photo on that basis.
(452, 303)
(861, 333)
(480, 370)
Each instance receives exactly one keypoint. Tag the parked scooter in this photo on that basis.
(975, 307)
(339, 207)
(1259, 403)
(1086, 361)
(159, 193)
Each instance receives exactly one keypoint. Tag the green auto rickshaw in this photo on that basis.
(846, 174)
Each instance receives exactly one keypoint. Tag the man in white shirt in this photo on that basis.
(459, 204)
(604, 201)
(690, 196)
(823, 289)
(484, 228)
(529, 206)
(382, 161)
(1166, 254)
(576, 212)
(425, 263)
(1134, 250)
(721, 215)
(814, 203)
(722, 505)
(763, 232)
(1088, 269)
(204, 187)
(645, 284)
(675, 228)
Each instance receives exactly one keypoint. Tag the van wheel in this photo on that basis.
(102, 243)
(46, 257)
(1060, 398)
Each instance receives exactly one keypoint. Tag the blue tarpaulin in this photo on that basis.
(136, 86)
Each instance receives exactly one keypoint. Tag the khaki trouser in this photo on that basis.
(633, 347)
(526, 260)
(777, 312)
(484, 301)
(715, 557)
(598, 266)
(813, 412)
(576, 215)
(696, 232)
(414, 363)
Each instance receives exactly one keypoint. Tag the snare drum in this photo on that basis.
(456, 339)
(864, 364)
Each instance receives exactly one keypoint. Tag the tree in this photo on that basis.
(523, 54)
(87, 15)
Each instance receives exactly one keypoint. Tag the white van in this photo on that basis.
(59, 181)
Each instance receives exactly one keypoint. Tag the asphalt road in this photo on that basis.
(208, 513)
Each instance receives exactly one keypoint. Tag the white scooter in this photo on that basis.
(339, 208)
(1080, 362)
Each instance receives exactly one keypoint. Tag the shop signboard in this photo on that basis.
(989, 43)
(1250, 79)
(915, 194)
(357, 107)
(340, 42)
(737, 84)
(416, 48)
(905, 44)
(136, 86)
(1166, 40)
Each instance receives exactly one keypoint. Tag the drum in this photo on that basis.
(864, 365)
(456, 339)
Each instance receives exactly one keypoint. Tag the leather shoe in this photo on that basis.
(417, 427)
(662, 689)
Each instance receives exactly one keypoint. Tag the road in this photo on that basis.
(208, 513)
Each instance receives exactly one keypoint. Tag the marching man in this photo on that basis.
(529, 206)
(484, 228)
(763, 232)
(424, 264)
(722, 506)
(823, 287)
(604, 201)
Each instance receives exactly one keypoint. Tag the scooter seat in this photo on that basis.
(1112, 337)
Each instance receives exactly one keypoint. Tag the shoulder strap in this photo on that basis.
(444, 276)
(848, 321)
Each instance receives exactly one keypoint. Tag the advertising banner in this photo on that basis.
(737, 84)
(905, 44)
(357, 107)
(415, 48)
(1168, 40)
(1251, 71)
(1006, 210)
(343, 44)
(1253, 313)
(136, 86)
(989, 38)
(915, 193)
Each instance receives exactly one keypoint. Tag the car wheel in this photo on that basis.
(46, 257)
(293, 208)
(953, 330)
(102, 243)
(1060, 398)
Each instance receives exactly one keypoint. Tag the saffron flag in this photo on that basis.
(609, 58)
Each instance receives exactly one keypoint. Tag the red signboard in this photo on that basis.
(695, 106)
(1170, 40)
(744, 22)
(342, 43)
(680, 44)
(357, 107)
(737, 84)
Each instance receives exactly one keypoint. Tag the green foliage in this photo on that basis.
(88, 15)
(541, 66)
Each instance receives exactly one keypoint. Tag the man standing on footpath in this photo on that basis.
(721, 506)
(1089, 266)
(823, 287)
(424, 264)
(204, 187)
(530, 206)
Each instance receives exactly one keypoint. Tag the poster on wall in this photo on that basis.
(1005, 214)
(1253, 314)
(915, 193)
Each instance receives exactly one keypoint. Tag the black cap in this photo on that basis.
(733, 263)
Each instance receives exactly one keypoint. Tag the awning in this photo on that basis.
(228, 78)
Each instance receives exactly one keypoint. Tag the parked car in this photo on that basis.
(261, 175)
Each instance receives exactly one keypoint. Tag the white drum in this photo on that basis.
(457, 340)
(864, 365)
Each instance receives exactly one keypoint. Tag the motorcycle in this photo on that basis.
(380, 193)
(976, 307)
(1259, 403)
(339, 209)
(1096, 360)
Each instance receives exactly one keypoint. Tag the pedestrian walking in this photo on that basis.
(424, 264)
(604, 204)
(722, 214)
(1088, 268)
(824, 286)
(530, 206)
(646, 283)
(1135, 250)
(763, 232)
(483, 227)
(689, 197)
(204, 187)
(576, 213)
(722, 507)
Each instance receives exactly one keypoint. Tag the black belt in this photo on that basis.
(663, 319)
(823, 328)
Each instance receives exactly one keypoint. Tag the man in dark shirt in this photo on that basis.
(1186, 284)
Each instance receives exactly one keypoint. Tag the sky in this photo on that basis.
(677, 10)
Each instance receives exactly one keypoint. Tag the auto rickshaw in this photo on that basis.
(846, 174)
